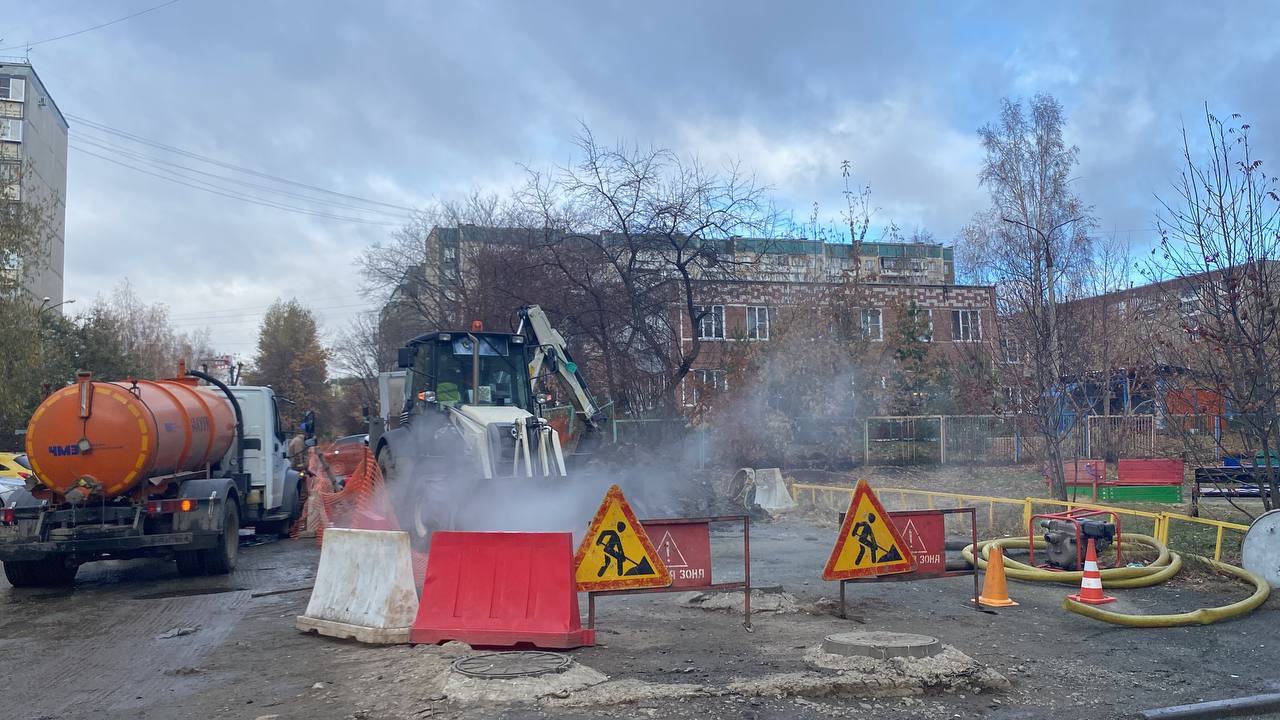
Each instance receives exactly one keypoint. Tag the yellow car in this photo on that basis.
(14, 471)
(14, 465)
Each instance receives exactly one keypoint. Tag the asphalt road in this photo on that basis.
(133, 640)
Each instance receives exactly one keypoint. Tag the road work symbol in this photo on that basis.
(616, 554)
(868, 543)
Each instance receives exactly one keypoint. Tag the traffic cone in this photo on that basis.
(995, 593)
(1091, 581)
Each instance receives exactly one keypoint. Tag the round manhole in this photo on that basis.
(881, 644)
(521, 663)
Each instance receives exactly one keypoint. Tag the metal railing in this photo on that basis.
(1161, 521)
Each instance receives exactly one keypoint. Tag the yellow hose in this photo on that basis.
(1165, 566)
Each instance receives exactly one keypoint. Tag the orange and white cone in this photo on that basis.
(1091, 581)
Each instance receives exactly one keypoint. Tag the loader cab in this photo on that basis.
(449, 369)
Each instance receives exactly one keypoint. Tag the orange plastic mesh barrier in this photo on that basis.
(363, 501)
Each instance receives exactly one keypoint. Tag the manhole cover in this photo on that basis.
(881, 644)
(522, 663)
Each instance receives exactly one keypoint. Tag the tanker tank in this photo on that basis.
(101, 439)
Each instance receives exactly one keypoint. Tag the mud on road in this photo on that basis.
(133, 640)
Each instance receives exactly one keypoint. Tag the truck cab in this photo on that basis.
(273, 490)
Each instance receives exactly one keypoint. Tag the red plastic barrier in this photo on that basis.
(500, 589)
(1149, 472)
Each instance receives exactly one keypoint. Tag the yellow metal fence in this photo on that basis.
(1157, 524)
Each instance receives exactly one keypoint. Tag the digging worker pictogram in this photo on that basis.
(611, 542)
(866, 538)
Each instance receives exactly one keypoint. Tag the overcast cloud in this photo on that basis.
(406, 101)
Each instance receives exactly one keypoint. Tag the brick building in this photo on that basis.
(1149, 341)
(960, 318)
(772, 278)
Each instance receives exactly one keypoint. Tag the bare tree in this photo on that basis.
(1218, 267)
(146, 335)
(1033, 245)
(28, 227)
(644, 235)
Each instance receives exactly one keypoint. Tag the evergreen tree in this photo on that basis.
(291, 360)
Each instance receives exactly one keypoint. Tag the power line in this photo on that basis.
(142, 157)
(231, 166)
(207, 187)
(260, 311)
(258, 308)
(64, 36)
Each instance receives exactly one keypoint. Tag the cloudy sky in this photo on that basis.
(402, 102)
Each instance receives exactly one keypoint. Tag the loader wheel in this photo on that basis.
(221, 559)
(50, 572)
(190, 564)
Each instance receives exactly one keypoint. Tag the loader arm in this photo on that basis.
(549, 342)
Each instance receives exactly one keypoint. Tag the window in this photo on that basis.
(12, 88)
(10, 185)
(1012, 397)
(966, 325)
(714, 381)
(11, 129)
(711, 326)
(1189, 301)
(1012, 355)
(757, 322)
(924, 316)
(872, 324)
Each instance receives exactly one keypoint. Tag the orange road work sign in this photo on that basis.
(869, 542)
(616, 553)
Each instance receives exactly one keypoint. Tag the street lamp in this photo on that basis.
(44, 304)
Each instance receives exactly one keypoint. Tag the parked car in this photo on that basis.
(14, 471)
(343, 455)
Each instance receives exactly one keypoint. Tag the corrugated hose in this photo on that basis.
(1166, 565)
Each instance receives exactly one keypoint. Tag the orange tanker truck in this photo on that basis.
(147, 468)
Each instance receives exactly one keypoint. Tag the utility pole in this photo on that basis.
(1055, 356)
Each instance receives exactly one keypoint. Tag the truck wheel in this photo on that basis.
(295, 512)
(190, 564)
(39, 573)
(221, 559)
(21, 573)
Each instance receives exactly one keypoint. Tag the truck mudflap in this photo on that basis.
(25, 550)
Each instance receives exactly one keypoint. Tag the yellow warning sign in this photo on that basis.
(616, 553)
(869, 543)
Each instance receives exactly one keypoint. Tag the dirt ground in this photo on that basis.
(133, 640)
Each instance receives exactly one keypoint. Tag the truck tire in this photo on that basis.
(295, 512)
(190, 563)
(50, 572)
(221, 559)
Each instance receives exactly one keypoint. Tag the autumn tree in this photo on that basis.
(1033, 244)
(291, 360)
(1217, 268)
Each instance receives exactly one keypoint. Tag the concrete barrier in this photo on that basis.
(364, 587)
(771, 492)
